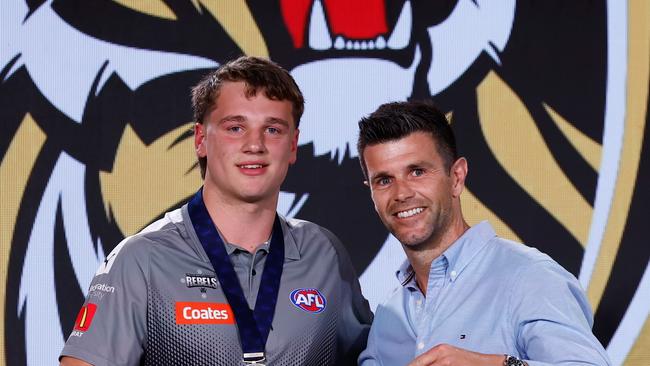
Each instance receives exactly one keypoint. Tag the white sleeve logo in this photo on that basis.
(105, 267)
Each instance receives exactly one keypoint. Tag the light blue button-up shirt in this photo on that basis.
(488, 295)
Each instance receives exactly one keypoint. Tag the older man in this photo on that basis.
(467, 297)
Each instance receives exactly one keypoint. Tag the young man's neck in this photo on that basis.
(247, 225)
(421, 258)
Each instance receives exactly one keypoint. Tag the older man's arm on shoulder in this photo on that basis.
(369, 355)
(71, 361)
(552, 318)
(355, 315)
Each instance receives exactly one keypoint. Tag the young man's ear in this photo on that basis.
(199, 138)
(294, 147)
(458, 174)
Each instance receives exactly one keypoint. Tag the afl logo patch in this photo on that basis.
(309, 300)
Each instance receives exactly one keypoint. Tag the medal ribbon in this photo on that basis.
(253, 325)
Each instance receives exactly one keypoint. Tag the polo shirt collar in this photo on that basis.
(291, 251)
(290, 248)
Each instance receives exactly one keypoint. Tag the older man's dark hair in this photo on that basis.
(393, 121)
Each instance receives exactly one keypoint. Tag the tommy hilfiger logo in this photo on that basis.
(201, 280)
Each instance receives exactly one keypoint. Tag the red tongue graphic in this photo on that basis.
(352, 19)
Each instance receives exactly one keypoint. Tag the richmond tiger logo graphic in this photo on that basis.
(549, 101)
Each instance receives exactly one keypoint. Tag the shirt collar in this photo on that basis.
(465, 248)
(290, 248)
(231, 247)
(291, 251)
(457, 256)
(405, 273)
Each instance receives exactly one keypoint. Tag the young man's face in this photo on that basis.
(411, 189)
(249, 144)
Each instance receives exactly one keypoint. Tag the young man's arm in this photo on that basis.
(355, 317)
(111, 325)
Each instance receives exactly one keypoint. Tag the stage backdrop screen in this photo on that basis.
(549, 101)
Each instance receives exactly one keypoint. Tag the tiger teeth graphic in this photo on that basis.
(320, 38)
(402, 33)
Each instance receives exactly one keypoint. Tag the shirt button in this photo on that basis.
(420, 346)
(418, 302)
(453, 274)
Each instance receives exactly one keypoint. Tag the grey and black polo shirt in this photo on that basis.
(156, 301)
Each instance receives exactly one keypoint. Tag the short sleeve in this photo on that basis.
(110, 328)
(355, 315)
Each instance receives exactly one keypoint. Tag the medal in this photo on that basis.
(253, 325)
(255, 358)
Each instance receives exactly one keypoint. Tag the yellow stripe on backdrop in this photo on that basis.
(636, 101)
(234, 15)
(475, 211)
(129, 190)
(640, 353)
(156, 8)
(589, 149)
(238, 22)
(15, 168)
(637, 114)
(510, 130)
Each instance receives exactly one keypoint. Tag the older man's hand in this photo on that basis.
(446, 355)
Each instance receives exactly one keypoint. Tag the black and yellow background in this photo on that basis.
(553, 123)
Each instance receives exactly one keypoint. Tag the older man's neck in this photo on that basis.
(421, 258)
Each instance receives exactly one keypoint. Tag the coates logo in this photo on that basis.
(203, 313)
(309, 300)
(85, 317)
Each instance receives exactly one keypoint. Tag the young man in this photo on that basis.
(225, 280)
(467, 297)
